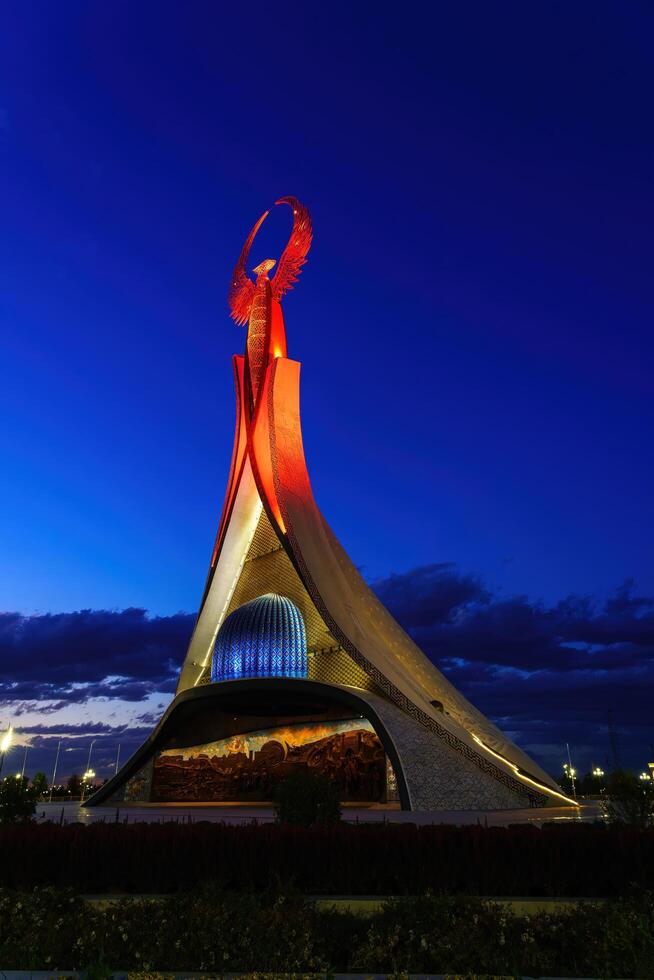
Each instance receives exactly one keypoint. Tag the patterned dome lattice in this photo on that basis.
(262, 638)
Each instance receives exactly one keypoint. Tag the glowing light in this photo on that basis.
(521, 775)
(6, 740)
(645, 775)
(598, 772)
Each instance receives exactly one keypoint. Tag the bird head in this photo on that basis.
(264, 267)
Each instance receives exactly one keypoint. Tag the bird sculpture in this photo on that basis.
(257, 302)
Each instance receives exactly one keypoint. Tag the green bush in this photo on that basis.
(217, 932)
(469, 935)
(305, 798)
(55, 930)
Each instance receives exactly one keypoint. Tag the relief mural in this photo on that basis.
(246, 768)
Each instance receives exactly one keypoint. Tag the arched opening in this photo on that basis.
(234, 741)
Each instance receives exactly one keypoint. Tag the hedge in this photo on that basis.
(577, 860)
(219, 932)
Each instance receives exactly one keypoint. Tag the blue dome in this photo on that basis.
(262, 638)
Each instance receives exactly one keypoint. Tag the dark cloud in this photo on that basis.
(546, 674)
(452, 617)
(430, 595)
(91, 654)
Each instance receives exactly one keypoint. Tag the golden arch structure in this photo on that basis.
(370, 709)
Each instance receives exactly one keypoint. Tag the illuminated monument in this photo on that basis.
(293, 661)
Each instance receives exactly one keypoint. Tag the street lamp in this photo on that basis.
(597, 772)
(54, 771)
(571, 773)
(86, 778)
(645, 776)
(5, 743)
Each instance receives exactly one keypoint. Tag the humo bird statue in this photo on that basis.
(258, 303)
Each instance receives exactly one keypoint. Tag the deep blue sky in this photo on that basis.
(474, 321)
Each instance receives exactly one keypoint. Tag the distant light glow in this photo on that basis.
(7, 739)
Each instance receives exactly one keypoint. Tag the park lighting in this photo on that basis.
(5, 743)
(86, 778)
(597, 772)
(570, 773)
(6, 740)
(645, 776)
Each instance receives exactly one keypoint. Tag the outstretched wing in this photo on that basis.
(295, 254)
(241, 288)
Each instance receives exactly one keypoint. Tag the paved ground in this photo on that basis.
(233, 813)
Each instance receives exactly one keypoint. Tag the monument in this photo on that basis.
(294, 662)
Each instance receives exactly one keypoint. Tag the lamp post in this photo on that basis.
(54, 771)
(89, 772)
(571, 773)
(88, 761)
(599, 776)
(5, 743)
(86, 778)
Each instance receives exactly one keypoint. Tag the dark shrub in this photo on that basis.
(344, 859)
(17, 800)
(629, 800)
(305, 798)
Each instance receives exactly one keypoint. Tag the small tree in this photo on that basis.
(17, 800)
(40, 783)
(305, 798)
(629, 800)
